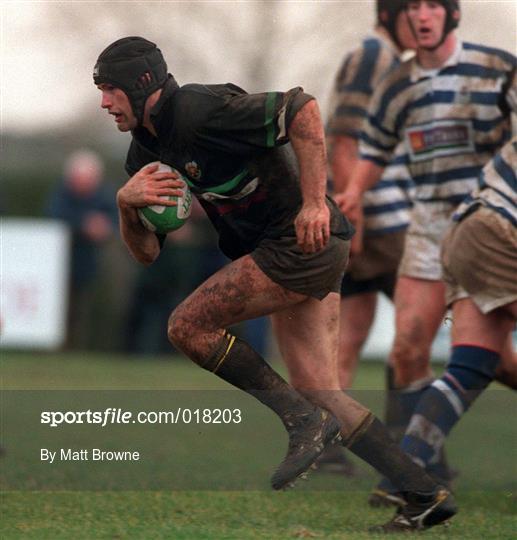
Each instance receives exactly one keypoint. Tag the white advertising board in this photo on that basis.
(34, 263)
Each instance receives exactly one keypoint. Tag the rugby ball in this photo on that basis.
(164, 219)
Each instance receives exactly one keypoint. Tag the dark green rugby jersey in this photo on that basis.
(232, 147)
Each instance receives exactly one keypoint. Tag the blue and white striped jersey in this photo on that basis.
(497, 186)
(387, 205)
(453, 120)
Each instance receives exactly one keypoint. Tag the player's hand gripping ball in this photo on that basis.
(163, 219)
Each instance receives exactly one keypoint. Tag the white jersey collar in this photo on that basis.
(418, 72)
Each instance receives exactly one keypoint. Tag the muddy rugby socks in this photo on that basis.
(373, 444)
(238, 364)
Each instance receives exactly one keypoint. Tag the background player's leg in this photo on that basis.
(478, 340)
(506, 372)
(419, 311)
(357, 316)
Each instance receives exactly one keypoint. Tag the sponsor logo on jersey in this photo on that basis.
(439, 138)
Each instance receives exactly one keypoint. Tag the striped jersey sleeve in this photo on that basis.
(512, 93)
(382, 131)
(497, 186)
(360, 73)
(387, 205)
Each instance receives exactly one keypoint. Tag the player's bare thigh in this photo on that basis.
(488, 330)
(238, 292)
(506, 372)
(512, 309)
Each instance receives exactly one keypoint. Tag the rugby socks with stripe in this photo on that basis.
(399, 407)
(470, 371)
(401, 402)
(372, 443)
(238, 364)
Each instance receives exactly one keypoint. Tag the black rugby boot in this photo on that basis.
(308, 437)
(421, 511)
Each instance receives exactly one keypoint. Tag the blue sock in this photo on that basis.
(400, 404)
(471, 369)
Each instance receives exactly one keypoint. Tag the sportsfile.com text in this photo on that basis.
(113, 415)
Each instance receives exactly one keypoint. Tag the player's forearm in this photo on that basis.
(343, 160)
(308, 141)
(141, 243)
(365, 175)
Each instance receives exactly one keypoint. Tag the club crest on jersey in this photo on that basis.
(439, 138)
(193, 170)
(462, 96)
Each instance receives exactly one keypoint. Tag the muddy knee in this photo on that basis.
(410, 358)
(198, 343)
(179, 330)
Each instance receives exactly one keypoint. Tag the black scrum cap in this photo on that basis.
(387, 13)
(136, 66)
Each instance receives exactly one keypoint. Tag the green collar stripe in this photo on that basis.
(268, 123)
(228, 186)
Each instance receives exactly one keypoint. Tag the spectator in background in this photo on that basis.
(87, 206)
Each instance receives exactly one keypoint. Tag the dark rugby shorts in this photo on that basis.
(381, 255)
(384, 283)
(312, 274)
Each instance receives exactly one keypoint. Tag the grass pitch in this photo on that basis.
(211, 481)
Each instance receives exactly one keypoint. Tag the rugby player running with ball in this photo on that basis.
(257, 164)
